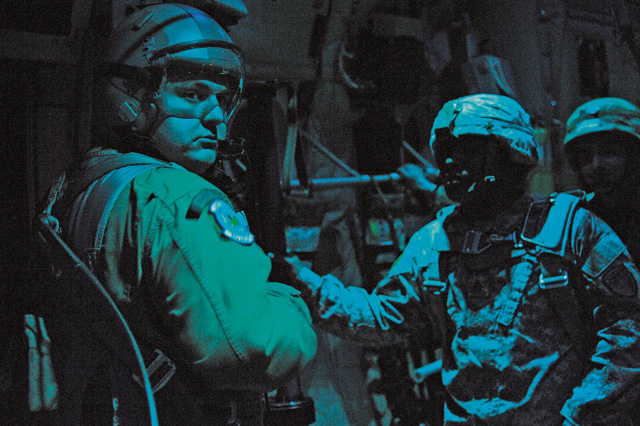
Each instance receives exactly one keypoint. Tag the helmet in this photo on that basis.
(487, 115)
(602, 115)
(163, 37)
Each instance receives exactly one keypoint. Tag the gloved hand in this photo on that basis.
(418, 178)
(289, 268)
(295, 264)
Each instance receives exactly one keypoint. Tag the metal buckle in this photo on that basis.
(433, 286)
(556, 281)
(162, 366)
(472, 240)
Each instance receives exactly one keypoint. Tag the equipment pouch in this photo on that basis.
(548, 222)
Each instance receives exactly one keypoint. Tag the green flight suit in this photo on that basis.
(199, 295)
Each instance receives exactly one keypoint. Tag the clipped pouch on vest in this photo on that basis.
(548, 221)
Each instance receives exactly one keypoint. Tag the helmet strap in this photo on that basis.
(138, 137)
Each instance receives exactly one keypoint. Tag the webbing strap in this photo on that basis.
(551, 247)
(91, 210)
(568, 308)
(103, 166)
(519, 279)
(431, 280)
(99, 189)
(562, 293)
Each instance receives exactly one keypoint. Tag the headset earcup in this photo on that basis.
(145, 120)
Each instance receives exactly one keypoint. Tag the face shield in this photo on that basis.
(198, 87)
(219, 63)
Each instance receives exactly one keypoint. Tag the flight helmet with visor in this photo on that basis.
(167, 42)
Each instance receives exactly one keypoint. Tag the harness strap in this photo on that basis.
(520, 278)
(432, 282)
(568, 309)
(109, 163)
(78, 180)
(432, 279)
(91, 212)
(547, 229)
(554, 281)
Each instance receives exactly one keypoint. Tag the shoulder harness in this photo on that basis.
(103, 184)
(545, 241)
(105, 181)
(547, 230)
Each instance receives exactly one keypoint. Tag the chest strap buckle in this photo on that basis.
(555, 281)
(159, 371)
(434, 286)
(476, 242)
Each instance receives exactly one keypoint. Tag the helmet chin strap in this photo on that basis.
(487, 180)
(493, 189)
(488, 172)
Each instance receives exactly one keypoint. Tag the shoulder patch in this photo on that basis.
(622, 279)
(234, 225)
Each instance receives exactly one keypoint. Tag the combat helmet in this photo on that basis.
(487, 115)
(602, 115)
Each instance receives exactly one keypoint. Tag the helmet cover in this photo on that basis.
(487, 115)
(603, 115)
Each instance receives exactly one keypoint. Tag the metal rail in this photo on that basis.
(338, 182)
(356, 179)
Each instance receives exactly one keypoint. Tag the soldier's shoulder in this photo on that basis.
(436, 224)
(172, 184)
(432, 234)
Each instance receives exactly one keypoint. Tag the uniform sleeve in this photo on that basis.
(611, 387)
(385, 316)
(233, 327)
